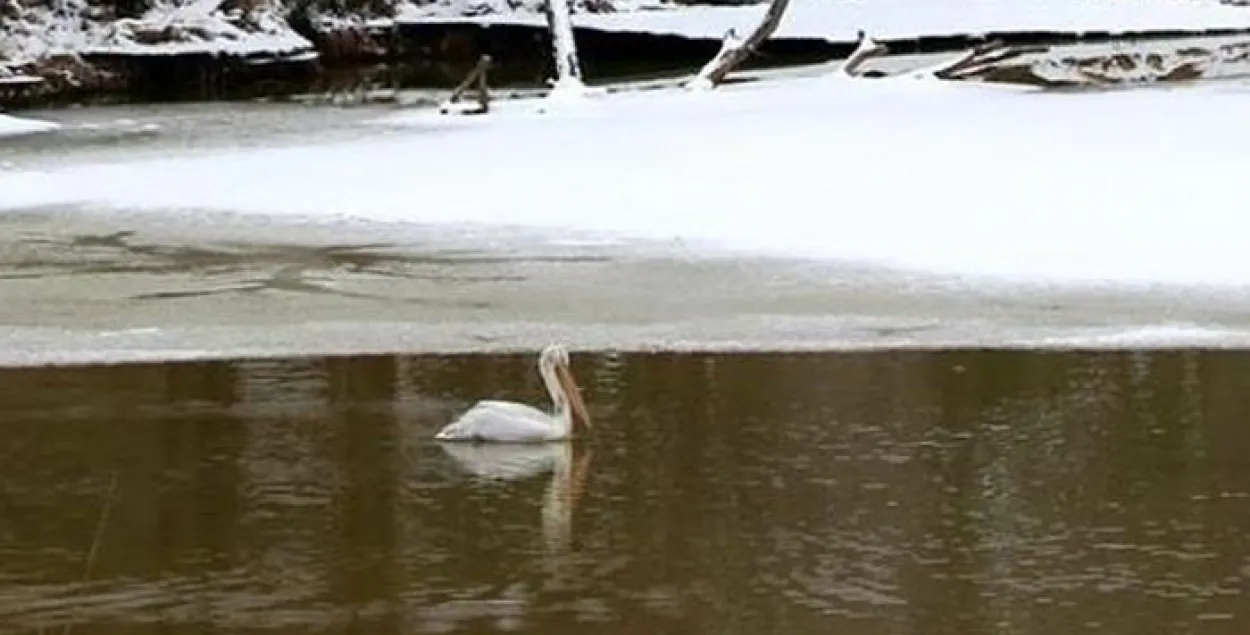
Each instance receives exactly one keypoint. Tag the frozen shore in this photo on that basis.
(840, 19)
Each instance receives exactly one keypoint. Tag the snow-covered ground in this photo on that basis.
(895, 212)
(1135, 187)
(838, 20)
(13, 127)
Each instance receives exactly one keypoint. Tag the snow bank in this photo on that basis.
(1132, 187)
(197, 26)
(13, 127)
(201, 27)
(838, 20)
(40, 32)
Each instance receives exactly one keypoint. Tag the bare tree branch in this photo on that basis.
(868, 48)
(735, 49)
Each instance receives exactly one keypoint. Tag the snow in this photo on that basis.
(1126, 188)
(15, 77)
(42, 32)
(198, 26)
(838, 20)
(13, 127)
(203, 28)
(19, 80)
(461, 8)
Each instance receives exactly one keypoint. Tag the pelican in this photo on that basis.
(507, 422)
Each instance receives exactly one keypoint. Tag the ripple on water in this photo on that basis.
(722, 493)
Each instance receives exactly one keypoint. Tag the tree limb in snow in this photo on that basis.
(735, 50)
(980, 59)
(476, 76)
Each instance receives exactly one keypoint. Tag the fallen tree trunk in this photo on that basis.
(564, 46)
(735, 49)
(1157, 64)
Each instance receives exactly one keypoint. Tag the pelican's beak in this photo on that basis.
(574, 394)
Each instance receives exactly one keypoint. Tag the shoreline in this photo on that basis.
(424, 51)
(785, 335)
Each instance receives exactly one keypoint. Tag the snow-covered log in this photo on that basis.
(735, 49)
(476, 77)
(1226, 60)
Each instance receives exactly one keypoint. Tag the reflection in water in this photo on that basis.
(566, 485)
(959, 493)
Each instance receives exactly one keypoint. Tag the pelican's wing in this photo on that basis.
(500, 421)
(504, 462)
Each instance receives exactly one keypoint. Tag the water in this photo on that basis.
(938, 493)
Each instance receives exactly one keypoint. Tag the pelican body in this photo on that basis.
(508, 422)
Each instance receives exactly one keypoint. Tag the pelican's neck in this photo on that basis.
(560, 401)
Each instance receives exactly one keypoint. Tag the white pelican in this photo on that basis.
(508, 422)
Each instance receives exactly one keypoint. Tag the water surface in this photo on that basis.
(949, 493)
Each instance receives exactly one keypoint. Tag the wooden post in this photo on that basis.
(476, 77)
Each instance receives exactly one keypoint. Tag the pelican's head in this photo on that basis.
(554, 355)
(556, 358)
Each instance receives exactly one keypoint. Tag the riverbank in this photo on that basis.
(208, 49)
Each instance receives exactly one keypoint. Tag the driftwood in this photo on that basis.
(980, 59)
(735, 49)
(476, 77)
(974, 62)
(1179, 64)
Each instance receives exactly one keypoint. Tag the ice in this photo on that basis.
(13, 126)
(32, 346)
(1138, 187)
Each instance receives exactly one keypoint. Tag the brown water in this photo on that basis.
(869, 493)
